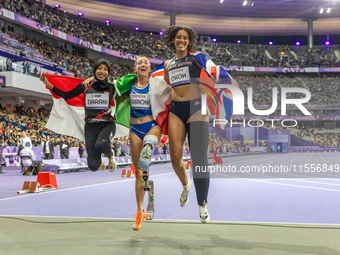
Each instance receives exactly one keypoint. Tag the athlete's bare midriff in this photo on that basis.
(185, 92)
(141, 120)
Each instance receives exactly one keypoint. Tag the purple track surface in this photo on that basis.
(102, 194)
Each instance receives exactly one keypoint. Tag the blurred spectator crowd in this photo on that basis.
(325, 90)
(139, 43)
(29, 121)
(88, 30)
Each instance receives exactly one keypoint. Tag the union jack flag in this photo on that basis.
(220, 101)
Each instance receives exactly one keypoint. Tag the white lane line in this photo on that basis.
(291, 174)
(309, 157)
(118, 220)
(259, 158)
(85, 186)
(299, 180)
(336, 179)
(328, 154)
(267, 162)
(321, 158)
(294, 159)
(93, 185)
(291, 185)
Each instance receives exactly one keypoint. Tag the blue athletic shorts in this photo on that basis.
(142, 129)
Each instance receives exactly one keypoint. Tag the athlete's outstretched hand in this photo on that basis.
(88, 82)
(43, 78)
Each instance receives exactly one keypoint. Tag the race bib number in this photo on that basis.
(179, 76)
(140, 101)
(97, 101)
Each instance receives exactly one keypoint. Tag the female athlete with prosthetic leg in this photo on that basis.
(148, 98)
(183, 73)
(99, 121)
(144, 134)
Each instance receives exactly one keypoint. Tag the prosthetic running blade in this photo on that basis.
(151, 207)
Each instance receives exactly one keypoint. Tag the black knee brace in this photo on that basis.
(198, 137)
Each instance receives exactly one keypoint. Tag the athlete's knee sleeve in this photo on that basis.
(150, 142)
(198, 138)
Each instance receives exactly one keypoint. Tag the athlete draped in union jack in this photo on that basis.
(192, 74)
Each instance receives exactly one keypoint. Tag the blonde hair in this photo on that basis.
(142, 57)
(136, 65)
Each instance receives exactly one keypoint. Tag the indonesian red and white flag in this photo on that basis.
(67, 117)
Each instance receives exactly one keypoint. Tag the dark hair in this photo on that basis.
(170, 34)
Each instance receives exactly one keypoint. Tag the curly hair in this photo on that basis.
(170, 34)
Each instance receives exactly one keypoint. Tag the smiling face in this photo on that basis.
(102, 72)
(142, 66)
(181, 40)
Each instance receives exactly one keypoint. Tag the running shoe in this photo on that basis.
(112, 163)
(102, 165)
(140, 217)
(204, 214)
(185, 194)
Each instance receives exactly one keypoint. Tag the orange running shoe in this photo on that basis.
(139, 220)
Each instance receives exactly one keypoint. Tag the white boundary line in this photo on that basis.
(255, 223)
(291, 185)
(86, 186)
(93, 185)
(302, 180)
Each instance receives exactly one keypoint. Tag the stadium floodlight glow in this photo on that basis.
(238, 41)
(297, 43)
(245, 3)
(270, 43)
(327, 43)
(107, 22)
(221, 1)
(321, 10)
(161, 33)
(57, 6)
(80, 14)
(136, 28)
(214, 40)
(328, 10)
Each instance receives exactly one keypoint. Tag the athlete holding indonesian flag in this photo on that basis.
(98, 123)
